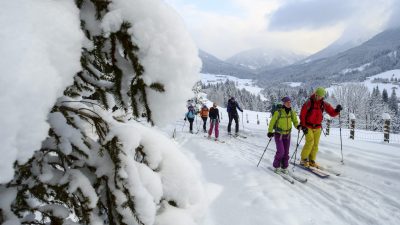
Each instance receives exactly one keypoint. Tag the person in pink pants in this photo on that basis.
(214, 121)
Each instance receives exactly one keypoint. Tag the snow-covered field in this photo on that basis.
(293, 84)
(247, 84)
(366, 192)
(371, 85)
(388, 86)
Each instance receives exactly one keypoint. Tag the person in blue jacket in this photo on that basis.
(190, 115)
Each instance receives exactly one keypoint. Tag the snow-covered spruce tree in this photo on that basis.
(99, 164)
(393, 104)
(385, 96)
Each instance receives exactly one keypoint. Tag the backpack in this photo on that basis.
(191, 113)
(309, 109)
(277, 107)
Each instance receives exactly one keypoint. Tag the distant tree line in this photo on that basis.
(221, 92)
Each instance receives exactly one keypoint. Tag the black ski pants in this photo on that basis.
(191, 124)
(236, 118)
(204, 123)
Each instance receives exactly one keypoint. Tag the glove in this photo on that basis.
(270, 135)
(338, 108)
(305, 130)
(299, 127)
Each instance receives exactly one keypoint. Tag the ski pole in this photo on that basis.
(264, 151)
(297, 143)
(242, 121)
(297, 146)
(341, 145)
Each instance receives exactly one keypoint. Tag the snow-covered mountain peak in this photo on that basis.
(258, 58)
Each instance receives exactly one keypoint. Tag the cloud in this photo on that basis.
(394, 19)
(298, 25)
(315, 14)
(311, 14)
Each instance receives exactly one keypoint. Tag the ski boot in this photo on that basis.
(277, 170)
(285, 171)
(304, 163)
(314, 164)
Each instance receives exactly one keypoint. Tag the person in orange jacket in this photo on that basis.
(311, 117)
(204, 116)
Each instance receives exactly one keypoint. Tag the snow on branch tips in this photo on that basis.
(99, 76)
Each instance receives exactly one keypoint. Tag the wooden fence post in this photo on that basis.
(352, 125)
(247, 118)
(328, 123)
(386, 127)
(258, 121)
(328, 126)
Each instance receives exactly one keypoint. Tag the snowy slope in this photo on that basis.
(247, 84)
(388, 86)
(370, 84)
(367, 192)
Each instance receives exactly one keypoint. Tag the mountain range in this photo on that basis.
(339, 62)
(265, 58)
(378, 54)
(213, 65)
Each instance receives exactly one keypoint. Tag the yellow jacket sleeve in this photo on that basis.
(273, 121)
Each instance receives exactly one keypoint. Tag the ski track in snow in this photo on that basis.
(366, 192)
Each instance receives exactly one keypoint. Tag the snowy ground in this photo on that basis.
(247, 84)
(366, 192)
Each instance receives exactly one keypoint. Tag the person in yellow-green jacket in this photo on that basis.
(280, 128)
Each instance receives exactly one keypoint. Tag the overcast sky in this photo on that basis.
(226, 27)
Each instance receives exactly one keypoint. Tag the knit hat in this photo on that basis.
(320, 91)
(286, 99)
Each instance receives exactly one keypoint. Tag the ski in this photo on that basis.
(238, 135)
(334, 172)
(313, 170)
(325, 170)
(286, 177)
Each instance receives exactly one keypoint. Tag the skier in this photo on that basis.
(311, 117)
(204, 116)
(190, 115)
(214, 121)
(281, 122)
(233, 114)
